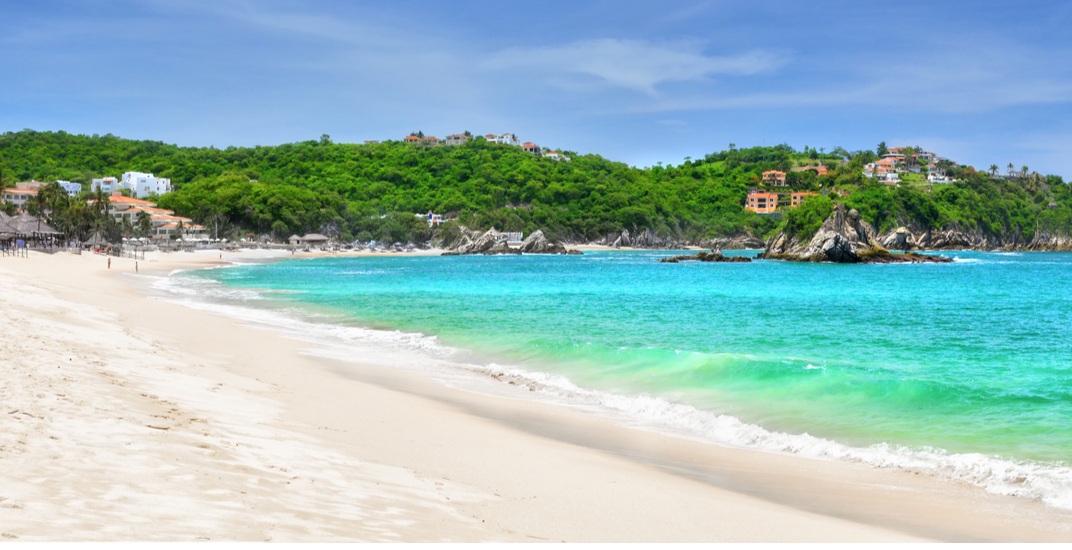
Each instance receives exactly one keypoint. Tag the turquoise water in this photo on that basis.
(960, 369)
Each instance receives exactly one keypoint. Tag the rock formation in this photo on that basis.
(843, 238)
(704, 256)
(491, 242)
(537, 243)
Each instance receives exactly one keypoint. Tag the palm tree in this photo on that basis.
(993, 170)
(1010, 167)
(1023, 171)
(145, 224)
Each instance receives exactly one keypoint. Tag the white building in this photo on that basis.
(108, 185)
(506, 139)
(145, 185)
(18, 197)
(70, 187)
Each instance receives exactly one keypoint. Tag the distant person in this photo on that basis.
(109, 263)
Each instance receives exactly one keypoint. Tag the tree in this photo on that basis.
(881, 149)
(993, 170)
(144, 227)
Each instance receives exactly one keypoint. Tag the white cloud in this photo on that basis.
(629, 64)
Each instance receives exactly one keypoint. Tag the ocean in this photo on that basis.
(961, 370)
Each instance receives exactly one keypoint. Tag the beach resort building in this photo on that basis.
(165, 222)
(19, 197)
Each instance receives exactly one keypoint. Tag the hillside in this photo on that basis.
(372, 191)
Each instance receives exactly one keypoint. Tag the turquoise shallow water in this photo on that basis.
(970, 359)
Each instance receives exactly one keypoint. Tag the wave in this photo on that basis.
(1048, 483)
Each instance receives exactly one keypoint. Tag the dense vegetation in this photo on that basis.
(372, 191)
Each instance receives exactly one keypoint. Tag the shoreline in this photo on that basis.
(406, 457)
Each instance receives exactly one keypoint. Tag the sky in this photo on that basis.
(640, 82)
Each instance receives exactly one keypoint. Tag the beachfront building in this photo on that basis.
(19, 197)
(774, 178)
(165, 223)
(762, 202)
(531, 148)
(555, 155)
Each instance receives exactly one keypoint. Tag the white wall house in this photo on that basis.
(144, 185)
(108, 185)
(70, 187)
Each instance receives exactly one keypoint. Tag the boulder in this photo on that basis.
(537, 243)
(491, 242)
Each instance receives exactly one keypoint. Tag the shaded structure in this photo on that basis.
(26, 231)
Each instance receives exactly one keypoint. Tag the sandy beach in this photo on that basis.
(124, 417)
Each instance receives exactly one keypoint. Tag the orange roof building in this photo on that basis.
(775, 178)
(762, 203)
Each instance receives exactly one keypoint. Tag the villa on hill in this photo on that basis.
(896, 162)
(504, 139)
(764, 202)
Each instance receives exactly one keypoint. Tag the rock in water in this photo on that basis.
(704, 256)
(843, 238)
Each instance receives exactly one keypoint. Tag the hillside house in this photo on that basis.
(456, 139)
(762, 202)
(819, 169)
(774, 178)
(505, 139)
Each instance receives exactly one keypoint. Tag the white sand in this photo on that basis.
(124, 418)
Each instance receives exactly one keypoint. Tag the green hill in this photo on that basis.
(373, 190)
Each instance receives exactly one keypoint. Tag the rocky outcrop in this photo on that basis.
(491, 242)
(645, 239)
(704, 256)
(538, 243)
(956, 238)
(1050, 242)
(736, 242)
(843, 238)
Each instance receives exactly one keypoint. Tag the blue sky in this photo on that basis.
(639, 82)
